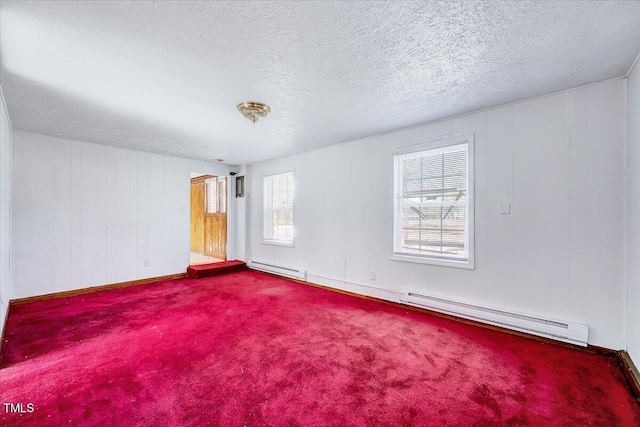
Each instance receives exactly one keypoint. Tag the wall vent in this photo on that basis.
(566, 332)
(278, 269)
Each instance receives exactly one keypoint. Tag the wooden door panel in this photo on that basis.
(215, 235)
(197, 216)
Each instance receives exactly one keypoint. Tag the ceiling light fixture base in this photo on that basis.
(254, 111)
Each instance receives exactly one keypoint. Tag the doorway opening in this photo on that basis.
(208, 219)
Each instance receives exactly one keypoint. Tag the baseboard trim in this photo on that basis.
(631, 372)
(92, 289)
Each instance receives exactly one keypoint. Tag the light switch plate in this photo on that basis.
(505, 208)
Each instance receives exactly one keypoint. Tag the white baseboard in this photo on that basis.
(356, 288)
(329, 282)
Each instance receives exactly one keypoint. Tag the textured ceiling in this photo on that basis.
(166, 76)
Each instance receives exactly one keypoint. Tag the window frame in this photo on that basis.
(422, 147)
(266, 222)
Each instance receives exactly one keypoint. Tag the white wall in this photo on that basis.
(239, 218)
(6, 146)
(87, 214)
(633, 218)
(558, 159)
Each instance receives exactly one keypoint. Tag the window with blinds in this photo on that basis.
(433, 215)
(278, 208)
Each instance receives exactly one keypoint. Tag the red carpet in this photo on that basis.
(209, 270)
(248, 349)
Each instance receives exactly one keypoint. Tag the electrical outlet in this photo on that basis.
(372, 275)
(145, 262)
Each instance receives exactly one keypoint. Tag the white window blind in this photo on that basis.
(278, 208)
(433, 204)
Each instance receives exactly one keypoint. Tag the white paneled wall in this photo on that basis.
(239, 240)
(6, 147)
(633, 218)
(87, 214)
(558, 159)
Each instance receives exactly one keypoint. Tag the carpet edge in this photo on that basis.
(590, 347)
(91, 289)
(4, 329)
(631, 372)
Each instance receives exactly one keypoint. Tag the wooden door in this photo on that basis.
(198, 211)
(197, 216)
(209, 216)
(215, 236)
(215, 221)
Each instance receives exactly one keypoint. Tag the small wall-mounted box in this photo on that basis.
(240, 186)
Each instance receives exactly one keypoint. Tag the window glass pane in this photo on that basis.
(438, 230)
(279, 207)
(222, 194)
(439, 177)
(455, 175)
(212, 195)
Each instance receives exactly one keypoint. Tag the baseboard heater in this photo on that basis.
(566, 332)
(278, 269)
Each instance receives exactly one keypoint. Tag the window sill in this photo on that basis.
(285, 243)
(467, 265)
